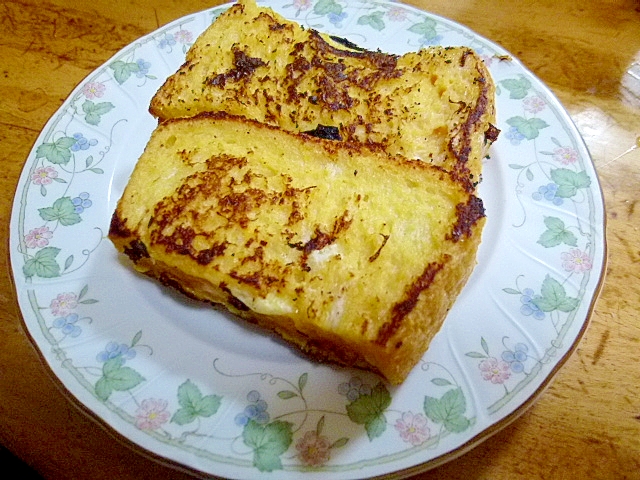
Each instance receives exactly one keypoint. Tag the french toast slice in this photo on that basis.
(351, 254)
(436, 104)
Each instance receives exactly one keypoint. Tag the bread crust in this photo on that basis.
(435, 104)
(236, 212)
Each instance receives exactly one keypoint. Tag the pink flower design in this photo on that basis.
(38, 237)
(301, 4)
(397, 14)
(565, 155)
(487, 59)
(313, 449)
(413, 428)
(184, 36)
(62, 305)
(534, 104)
(152, 414)
(497, 371)
(93, 90)
(576, 261)
(44, 175)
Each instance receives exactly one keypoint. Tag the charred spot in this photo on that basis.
(179, 241)
(136, 251)
(325, 131)
(277, 27)
(331, 96)
(375, 256)
(257, 280)
(364, 327)
(460, 144)
(491, 134)
(347, 43)
(237, 303)
(204, 257)
(243, 68)
(236, 206)
(320, 239)
(170, 282)
(296, 215)
(258, 255)
(468, 215)
(232, 300)
(118, 228)
(403, 308)
(463, 57)
(462, 106)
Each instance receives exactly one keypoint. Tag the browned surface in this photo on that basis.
(586, 425)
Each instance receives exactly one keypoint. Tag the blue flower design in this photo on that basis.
(256, 410)
(529, 308)
(167, 42)
(113, 350)
(548, 192)
(82, 143)
(81, 202)
(430, 41)
(514, 136)
(68, 325)
(337, 18)
(354, 388)
(516, 357)
(143, 68)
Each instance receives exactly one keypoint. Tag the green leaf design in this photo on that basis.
(529, 174)
(116, 377)
(554, 297)
(193, 404)
(511, 291)
(441, 382)
(448, 410)
(268, 443)
(287, 394)
(569, 181)
(518, 88)
(94, 111)
(325, 7)
(123, 70)
(374, 20)
(427, 28)
(136, 338)
(43, 264)
(58, 152)
(529, 128)
(341, 442)
(62, 211)
(302, 381)
(556, 234)
(368, 410)
(484, 345)
(475, 355)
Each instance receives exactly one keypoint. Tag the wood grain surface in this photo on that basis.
(585, 425)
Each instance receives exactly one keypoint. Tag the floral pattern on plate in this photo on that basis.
(193, 385)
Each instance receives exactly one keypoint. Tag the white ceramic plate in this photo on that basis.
(191, 384)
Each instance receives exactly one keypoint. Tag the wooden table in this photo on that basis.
(586, 425)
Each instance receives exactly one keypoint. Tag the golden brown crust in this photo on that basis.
(235, 212)
(435, 104)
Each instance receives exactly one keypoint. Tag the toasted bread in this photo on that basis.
(436, 104)
(351, 254)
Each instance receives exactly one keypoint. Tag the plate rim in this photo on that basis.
(417, 468)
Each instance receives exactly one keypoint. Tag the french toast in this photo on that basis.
(350, 253)
(436, 104)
